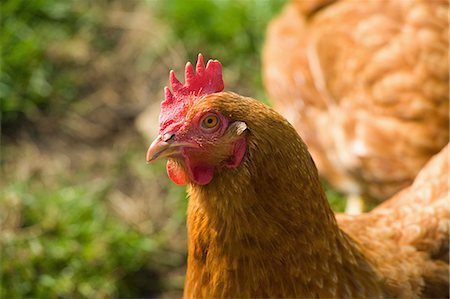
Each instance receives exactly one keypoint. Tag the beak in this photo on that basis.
(156, 149)
(160, 149)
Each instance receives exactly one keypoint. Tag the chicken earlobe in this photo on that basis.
(237, 129)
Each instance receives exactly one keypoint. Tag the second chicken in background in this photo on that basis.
(366, 85)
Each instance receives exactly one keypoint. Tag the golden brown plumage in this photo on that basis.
(262, 227)
(265, 229)
(365, 84)
(407, 236)
(261, 232)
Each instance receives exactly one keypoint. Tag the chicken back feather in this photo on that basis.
(366, 85)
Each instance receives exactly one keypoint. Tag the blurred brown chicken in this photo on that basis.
(366, 86)
(413, 222)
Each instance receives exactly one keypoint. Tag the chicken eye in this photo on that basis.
(210, 121)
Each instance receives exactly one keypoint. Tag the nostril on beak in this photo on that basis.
(169, 137)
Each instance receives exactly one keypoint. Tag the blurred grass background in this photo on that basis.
(81, 214)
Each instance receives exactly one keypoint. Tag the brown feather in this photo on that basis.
(365, 84)
(265, 229)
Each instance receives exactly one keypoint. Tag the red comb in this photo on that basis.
(199, 83)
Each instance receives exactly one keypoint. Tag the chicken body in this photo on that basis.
(412, 224)
(366, 86)
(265, 229)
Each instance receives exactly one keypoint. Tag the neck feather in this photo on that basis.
(265, 229)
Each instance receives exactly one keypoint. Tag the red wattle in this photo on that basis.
(176, 174)
(202, 175)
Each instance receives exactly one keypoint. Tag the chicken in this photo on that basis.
(259, 224)
(365, 84)
(419, 218)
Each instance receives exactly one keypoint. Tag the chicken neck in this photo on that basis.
(266, 229)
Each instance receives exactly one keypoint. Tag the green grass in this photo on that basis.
(69, 245)
(336, 199)
(29, 80)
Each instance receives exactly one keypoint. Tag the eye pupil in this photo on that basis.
(210, 121)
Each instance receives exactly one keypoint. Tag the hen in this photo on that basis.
(259, 224)
(365, 84)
